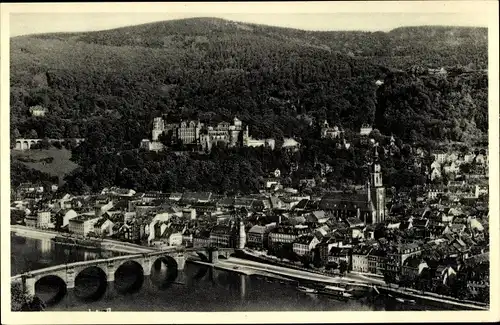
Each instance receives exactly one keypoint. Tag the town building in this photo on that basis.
(43, 219)
(83, 224)
(365, 130)
(360, 256)
(38, 111)
(283, 235)
(304, 245)
(229, 236)
(377, 261)
(413, 267)
(397, 255)
(258, 236)
(201, 239)
(103, 227)
(290, 144)
(340, 254)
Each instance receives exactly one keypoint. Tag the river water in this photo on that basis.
(196, 288)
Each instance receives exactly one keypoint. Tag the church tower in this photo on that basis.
(377, 190)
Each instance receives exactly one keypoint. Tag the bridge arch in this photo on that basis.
(164, 271)
(129, 277)
(204, 256)
(90, 283)
(25, 145)
(51, 289)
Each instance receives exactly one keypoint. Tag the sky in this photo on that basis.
(31, 23)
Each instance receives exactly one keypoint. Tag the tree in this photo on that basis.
(32, 134)
(74, 131)
(465, 168)
(44, 144)
(16, 134)
(22, 301)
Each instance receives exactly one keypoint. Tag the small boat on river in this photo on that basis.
(402, 300)
(306, 289)
(407, 301)
(337, 292)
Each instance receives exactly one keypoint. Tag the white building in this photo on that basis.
(103, 227)
(83, 224)
(67, 216)
(365, 130)
(38, 111)
(43, 219)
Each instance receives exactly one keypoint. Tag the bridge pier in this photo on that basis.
(110, 271)
(29, 286)
(111, 291)
(213, 256)
(70, 300)
(181, 261)
(70, 278)
(148, 284)
(146, 266)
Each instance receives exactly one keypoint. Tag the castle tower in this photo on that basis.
(237, 123)
(246, 136)
(377, 190)
(158, 128)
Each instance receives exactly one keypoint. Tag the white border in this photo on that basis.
(488, 9)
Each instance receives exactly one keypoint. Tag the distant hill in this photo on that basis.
(208, 68)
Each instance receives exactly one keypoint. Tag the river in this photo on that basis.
(196, 288)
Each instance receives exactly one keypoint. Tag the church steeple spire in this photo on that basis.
(377, 188)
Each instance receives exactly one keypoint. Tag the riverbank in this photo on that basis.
(24, 231)
(240, 269)
(352, 281)
(432, 300)
(71, 240)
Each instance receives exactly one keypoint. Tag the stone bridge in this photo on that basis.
(25, 144)
(66, 274)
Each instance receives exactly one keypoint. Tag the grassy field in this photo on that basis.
(60, 166)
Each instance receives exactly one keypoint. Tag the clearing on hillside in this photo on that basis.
(60, 164)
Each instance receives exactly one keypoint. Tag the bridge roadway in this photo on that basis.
(172, 257)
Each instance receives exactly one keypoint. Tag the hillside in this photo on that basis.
(107, 86)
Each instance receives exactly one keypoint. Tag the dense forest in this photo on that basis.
(107, 87)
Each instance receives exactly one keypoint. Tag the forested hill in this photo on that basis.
(116, 81)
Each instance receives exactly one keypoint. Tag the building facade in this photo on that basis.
(82, 224)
